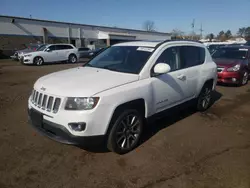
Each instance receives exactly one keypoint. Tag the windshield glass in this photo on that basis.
(127, 59)
(230, 53)
(41, 48)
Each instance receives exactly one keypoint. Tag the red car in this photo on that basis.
(233, 64)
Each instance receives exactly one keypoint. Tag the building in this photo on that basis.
(17, 31)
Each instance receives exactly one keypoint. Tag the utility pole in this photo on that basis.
(201, 30)
(193, 25)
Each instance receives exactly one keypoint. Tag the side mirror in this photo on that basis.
(161, 68)
(48, 50)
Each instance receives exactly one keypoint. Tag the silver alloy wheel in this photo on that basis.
(128, 132)
(205, 98)
(245, 78)
(38, 61)
(73, 59)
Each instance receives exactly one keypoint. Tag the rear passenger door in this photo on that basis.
(191, 59)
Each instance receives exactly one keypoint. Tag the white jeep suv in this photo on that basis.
(112, 95)
(52, 53)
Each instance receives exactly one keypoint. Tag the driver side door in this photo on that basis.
(169, 89)
(50, 54)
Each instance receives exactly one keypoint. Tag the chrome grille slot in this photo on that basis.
(44, 102)
(40, 100)
(50, 102)
(36, 98)
(56, 105)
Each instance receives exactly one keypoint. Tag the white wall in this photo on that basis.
(152, 37)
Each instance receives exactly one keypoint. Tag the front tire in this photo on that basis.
(126, 132)
(72, 58)
(244, 80)
(38, 61)
(205, 98)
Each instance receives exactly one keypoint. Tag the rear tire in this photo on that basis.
(72, 58)
(126, 131)
(204, 100)
(38, 61)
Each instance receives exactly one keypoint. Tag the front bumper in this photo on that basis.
(26, 60)
(229, 77)
(58, 132)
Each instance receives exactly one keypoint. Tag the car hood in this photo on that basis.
(25, 51)
(82, 81)
(228, 62)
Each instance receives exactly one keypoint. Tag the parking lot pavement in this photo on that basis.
(184, 150)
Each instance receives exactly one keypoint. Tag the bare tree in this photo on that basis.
(149, 25)
(176, 33)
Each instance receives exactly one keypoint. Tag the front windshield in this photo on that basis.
(127, 59)
(41, 48)
(230, 53)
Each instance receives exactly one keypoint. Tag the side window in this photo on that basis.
(66, 47)
(59, 47)
(191, 56)
(51, 48)
(171, 57)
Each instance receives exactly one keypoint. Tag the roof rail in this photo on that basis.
(171, 40)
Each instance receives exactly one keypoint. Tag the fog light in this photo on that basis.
(234, 79)
(77, 126)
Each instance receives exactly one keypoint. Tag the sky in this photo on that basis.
(214, 15)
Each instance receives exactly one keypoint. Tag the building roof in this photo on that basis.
(97, 26)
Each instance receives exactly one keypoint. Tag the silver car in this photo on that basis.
(18, 55)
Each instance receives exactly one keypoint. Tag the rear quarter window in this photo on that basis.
(192, 56)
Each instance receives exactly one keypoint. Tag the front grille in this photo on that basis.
(45, 102)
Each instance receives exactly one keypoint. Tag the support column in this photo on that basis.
(69, 34)
(108, 42)
(45, 35)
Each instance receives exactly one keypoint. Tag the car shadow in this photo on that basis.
(171, 116)
(157, 123)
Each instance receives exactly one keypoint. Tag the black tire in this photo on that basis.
(204, 100)
(38, 61)
(72, 58)
(244, 79)
(126, 131)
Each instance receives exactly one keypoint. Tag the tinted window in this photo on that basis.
(230, 53)
(63, 47)
(191, 56)
(83, 49)
(127, 59)
(51, 48)
(171, 57)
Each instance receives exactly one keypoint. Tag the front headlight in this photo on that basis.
(234, 68)
(28, 55)
(81, 103)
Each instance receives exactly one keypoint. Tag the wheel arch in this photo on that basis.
(37, 57)
(138, 104)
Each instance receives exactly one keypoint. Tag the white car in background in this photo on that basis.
(52, 53)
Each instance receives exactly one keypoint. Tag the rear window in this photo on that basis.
(191, 56)
(230, 53)
(63, 47)
(83, 49)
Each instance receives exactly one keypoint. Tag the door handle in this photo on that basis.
(181, 77)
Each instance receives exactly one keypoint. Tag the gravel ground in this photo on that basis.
(185, 150)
